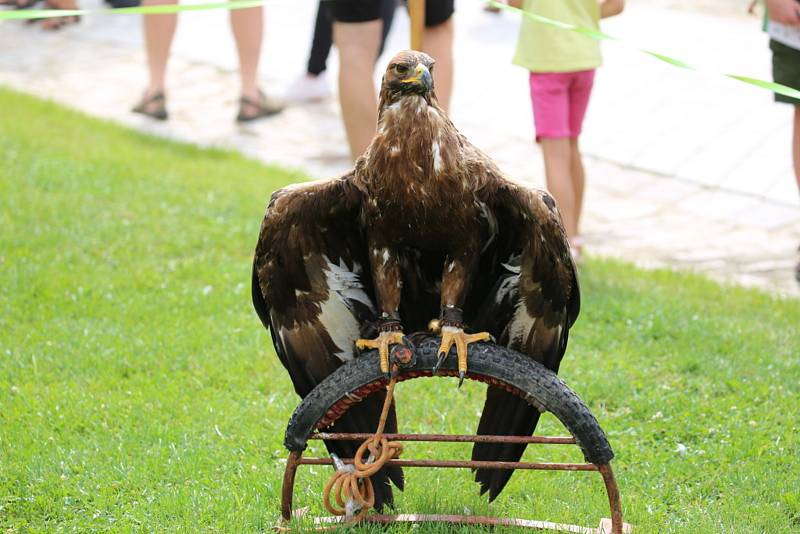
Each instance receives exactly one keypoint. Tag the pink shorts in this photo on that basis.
(559, 102)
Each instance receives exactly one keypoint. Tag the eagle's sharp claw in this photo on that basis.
(461, 375)
(439, 361)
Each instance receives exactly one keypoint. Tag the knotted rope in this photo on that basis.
(350, 485)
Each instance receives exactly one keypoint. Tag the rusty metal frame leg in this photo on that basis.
(613, 497)
(287, 493)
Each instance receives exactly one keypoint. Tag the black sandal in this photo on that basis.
(145, 107)
(265, 107)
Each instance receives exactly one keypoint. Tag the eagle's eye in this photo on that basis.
(401, 69)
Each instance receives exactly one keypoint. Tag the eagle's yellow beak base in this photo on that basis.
(422, 76)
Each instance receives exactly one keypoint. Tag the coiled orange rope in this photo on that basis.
(353, 483)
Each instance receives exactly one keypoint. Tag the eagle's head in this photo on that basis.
(409, 72)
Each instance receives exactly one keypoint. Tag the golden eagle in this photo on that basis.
(425, 226)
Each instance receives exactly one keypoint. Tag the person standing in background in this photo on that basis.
(357, 33)
(248, 31)
(313, 84)
(562, 66)
(783, 26)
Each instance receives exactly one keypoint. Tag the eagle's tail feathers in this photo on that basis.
(503, 414)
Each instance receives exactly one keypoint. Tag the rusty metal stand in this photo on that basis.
(614, 525)
(492, 364)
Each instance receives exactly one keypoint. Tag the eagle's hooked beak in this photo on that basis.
(422, 76)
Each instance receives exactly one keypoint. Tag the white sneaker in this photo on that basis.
(576, 249)
(797, 269)
(308, 88)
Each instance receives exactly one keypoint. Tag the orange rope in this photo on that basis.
(354, 483)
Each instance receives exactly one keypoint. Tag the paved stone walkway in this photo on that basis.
(685, 170)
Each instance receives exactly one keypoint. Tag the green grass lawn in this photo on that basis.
(138, 390)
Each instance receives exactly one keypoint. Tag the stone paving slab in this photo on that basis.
(686, 170)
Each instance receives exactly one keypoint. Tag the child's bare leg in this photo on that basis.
(578, 180)
(558, 172)
(796, 145)
(796, 156)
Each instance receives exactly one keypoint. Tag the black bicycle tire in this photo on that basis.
(488, 362)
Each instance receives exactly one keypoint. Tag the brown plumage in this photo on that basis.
(424, 226)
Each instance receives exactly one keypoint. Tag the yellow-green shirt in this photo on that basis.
(544, 48)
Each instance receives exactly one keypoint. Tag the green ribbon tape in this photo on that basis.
(31, 14)
(600, 36)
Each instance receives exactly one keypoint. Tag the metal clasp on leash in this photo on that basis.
(351, 508)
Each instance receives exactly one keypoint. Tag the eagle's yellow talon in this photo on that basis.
(382, 343)
(455, 336)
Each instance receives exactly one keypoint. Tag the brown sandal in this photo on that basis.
(264, 107)
(154, 106)
(52, 24)
(60, 22)
(19, 4)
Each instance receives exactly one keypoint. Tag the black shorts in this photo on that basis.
(785, 69)
(436, 11)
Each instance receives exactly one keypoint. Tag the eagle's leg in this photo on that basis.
(456, 279)
(388, 284)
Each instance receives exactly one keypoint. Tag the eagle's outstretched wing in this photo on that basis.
(529, 300)
(312, 289)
